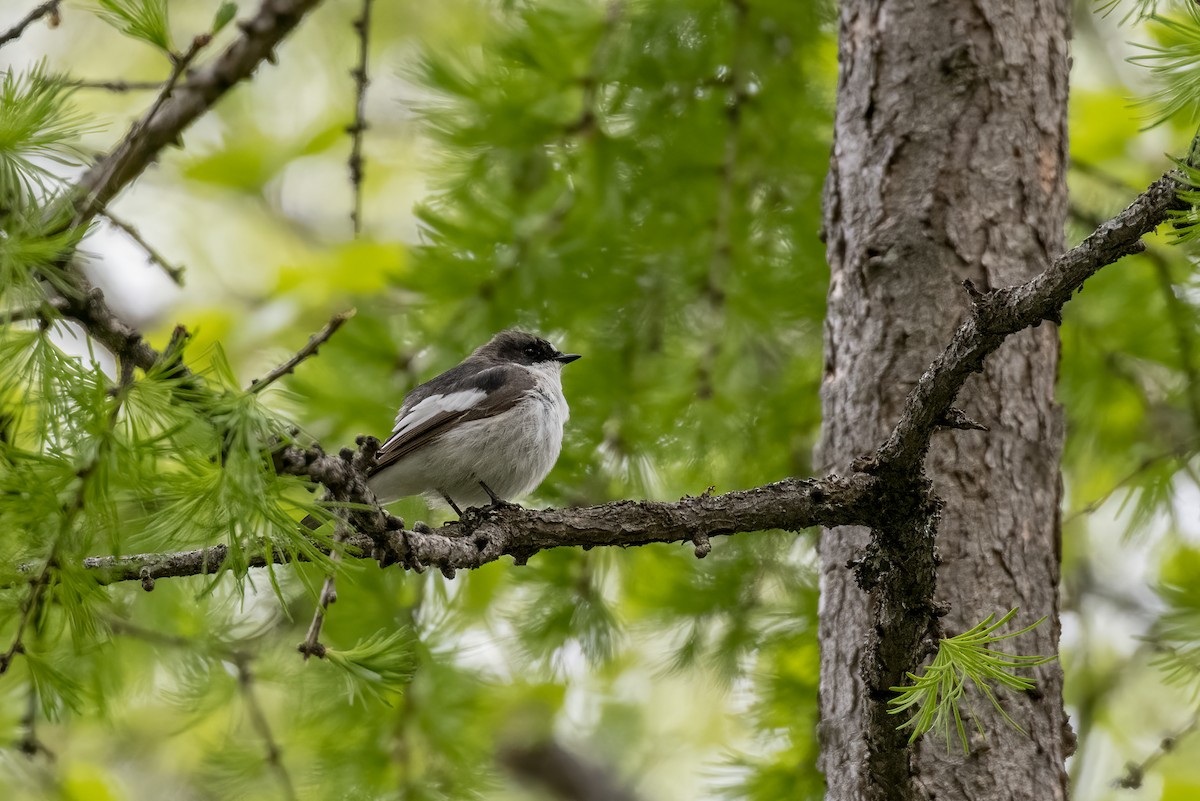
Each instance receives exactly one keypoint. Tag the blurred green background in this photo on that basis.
(641, 183)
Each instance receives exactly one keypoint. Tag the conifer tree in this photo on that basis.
(646, 184)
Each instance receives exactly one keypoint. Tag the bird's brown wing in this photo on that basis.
(488, 393)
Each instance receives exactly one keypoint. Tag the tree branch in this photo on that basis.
(362, 26)
(48, 8)
(1135, 772)
(173, 272)
(163, 124)
(873, 495)
(117, 85)
(484, 535)
(314, 344)
(998, 314)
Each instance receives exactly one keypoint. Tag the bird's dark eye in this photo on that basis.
(531, 351)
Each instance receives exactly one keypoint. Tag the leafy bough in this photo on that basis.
(968, 657)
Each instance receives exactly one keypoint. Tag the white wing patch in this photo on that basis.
(431, 407)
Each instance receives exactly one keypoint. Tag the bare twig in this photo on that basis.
(49, 8)
(998, 314)
(163, 124)
(30, 744)
(483, 536)
(312, 645)
(314, 344)
(1135, 772)
(362, 26)
(175, 273)
(117, 85)
(180, 62)
(27, 609)
(258, 719)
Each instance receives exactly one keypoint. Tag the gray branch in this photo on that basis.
(871, 495)
(163, 125)
(998, 314)
(48, 8)
(485, 535)
(877, 485)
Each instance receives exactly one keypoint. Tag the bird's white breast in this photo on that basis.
(511, 452)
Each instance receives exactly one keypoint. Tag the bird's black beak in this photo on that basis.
(566, 358)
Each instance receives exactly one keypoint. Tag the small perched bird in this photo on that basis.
(488, 430)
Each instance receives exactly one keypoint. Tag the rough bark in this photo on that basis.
(948, 165)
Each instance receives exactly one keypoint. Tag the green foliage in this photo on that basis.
(1184, 221)
(965, 658)
(1175, 635)
(146, 20)
(225, 14)
(379, 665)
(639, 181)
(37, 125)
(1174, 62)
(1134, 10)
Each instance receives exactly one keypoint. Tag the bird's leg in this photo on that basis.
(454, 505)
(497, 501)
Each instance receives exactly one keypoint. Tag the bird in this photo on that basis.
(485, 432)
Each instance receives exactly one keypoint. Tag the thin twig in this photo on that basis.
(175, 273)
(29, 744)
(312, 639)
(1135, 772)
(314, 344)
(261, 34)
(362, 27)
(180, 62)
(32, 604)
(49, 8)
(258, 720)
(116, 86)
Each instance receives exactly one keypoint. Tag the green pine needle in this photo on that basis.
(146, 20)
(1137, 9)
(1174, 62)
(962, 659)
(37, 125)
(380, 665)
(1176, 636)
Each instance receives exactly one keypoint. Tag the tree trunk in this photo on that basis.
(948, 164)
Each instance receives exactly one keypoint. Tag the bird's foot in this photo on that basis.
(453, 505)
(497, 501)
